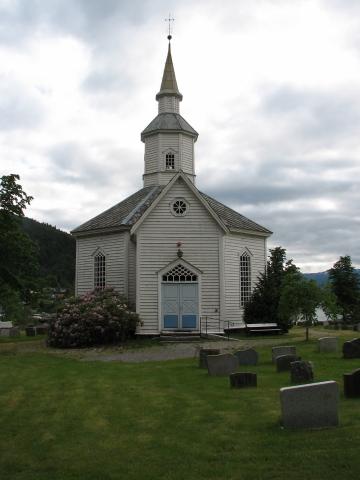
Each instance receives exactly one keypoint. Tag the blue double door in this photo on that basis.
(180, 306)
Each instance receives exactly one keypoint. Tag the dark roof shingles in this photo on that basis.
(231, 218)
(168, 121)
(130, 210)
(115, 216)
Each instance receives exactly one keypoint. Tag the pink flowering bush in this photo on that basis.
(97, 318)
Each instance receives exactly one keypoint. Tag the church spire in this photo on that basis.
(168, 84)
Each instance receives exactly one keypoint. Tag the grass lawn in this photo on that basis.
(63, 419)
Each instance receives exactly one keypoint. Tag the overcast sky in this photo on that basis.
(272, 87)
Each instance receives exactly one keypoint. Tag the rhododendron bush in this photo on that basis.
(97, 318)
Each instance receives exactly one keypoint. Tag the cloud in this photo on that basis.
(272, 88)
(20, 106)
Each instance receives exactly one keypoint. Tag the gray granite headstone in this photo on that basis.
(247, 357)
(224, 364)
(282, 350)
(313, 405)
(351, 348)
(283, 362)
(301, 372)
(243, 379)
(204, 352)
(328, 344)
(352, 384)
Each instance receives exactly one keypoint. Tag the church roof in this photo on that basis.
(168, 83)
(125, 214)
(233, 219)
(168, 121)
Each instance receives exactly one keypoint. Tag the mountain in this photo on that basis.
(322, 277)
(56, 250)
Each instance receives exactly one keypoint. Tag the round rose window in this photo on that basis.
(179, 207)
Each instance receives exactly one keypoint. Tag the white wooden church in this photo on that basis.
(183, 258)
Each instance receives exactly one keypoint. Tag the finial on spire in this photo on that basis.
(170, 19)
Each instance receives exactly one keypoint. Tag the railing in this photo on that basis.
(204, 321)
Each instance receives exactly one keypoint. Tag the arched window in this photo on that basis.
(245, 278)
(179, 273)
(170, 161)
(99, 271)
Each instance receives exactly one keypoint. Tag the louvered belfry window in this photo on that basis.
(179, 273)
(170, 161)
(99, 271)
(245, 278)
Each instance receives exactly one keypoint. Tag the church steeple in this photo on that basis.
(168, 84)
(169, 139)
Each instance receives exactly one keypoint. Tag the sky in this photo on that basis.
(272, 87)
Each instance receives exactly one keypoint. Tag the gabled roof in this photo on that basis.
(169, 121)
(127, 213)
(122, 215)
(233, 219)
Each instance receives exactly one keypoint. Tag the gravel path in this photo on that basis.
(170, 351)
(165, 351)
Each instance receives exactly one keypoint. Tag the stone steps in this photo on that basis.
(172, 337)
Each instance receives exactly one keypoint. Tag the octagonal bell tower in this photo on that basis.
(169, 139)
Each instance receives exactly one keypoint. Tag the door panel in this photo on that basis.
(180, 305)
(170, 305)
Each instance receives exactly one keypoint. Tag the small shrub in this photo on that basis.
(97, 318)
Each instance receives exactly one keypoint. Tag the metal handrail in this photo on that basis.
(206, 318)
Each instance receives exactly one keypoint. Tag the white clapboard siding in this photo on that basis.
(169, 141)
(152, 154)
(187, 151)
(114, 248)
(234, 246)
(156, 248)
(168, 104)
(132, 271)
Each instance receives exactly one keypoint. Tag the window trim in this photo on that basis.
(172, 207)
(245, 285)
(99, 269)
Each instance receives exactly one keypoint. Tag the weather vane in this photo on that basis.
(170, 19)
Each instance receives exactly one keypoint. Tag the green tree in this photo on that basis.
(329, 303)
(299, 299)
(345, 285)
(17, 253)
(263, 306)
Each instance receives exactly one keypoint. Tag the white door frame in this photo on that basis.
(169, 266)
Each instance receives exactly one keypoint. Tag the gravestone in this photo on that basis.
(328, 344)
(282, 350)
(283, 362)
(301, 371)
(351, 348)
(243, 379)
(204, 352)
(219, 365)
(312, 405)
(247, 357)
(352, 384)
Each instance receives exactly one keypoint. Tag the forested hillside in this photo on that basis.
(56, 250)
(321, 278)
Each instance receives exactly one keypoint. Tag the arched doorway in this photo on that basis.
(179, 298)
